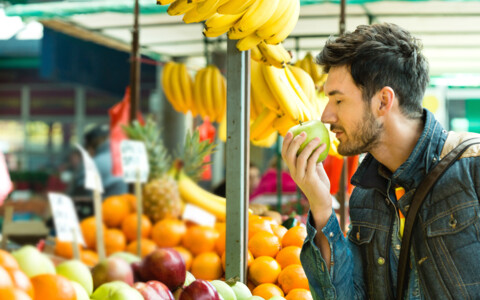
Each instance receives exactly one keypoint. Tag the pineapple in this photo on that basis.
(161, 198)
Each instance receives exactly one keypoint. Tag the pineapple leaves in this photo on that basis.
(194, 153)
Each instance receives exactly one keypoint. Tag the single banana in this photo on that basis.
(215, 32)
(266, 133)
(256, 105)
(192, 193)
(218, 94)
(179, 7)
(233, 7)
(305, 81)
(221, 21)
(248, 42)
(283, 92)
(198, 93)
(255, 54)
(267, 142)
(315, 71)
(253, 111)
(260, 88)
(286, 55)
(255, 16)
(186, 84)
(202, 12)
(283, 123)
(305, 65)
(304, 102)
(276, 21)
(208, 92)
(288, 26)
(223, 111)
(178, 92)
(272, 55)
(166, 86)
(262, 122)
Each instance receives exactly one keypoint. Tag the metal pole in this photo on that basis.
(237, 161)
(135, 67)
(342, 191)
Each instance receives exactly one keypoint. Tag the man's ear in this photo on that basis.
(386, 98)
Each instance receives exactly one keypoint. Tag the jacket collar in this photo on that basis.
(372, 174)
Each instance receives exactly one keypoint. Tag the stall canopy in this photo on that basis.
(450, 30)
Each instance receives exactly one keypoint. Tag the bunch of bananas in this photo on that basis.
(315, 71)
(206, 96)
(280, 99)
(251, 22)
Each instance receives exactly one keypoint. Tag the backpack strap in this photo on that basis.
(420, 194)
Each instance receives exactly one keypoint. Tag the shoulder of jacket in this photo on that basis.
(455, 138)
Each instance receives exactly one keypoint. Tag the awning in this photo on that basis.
(450, 30)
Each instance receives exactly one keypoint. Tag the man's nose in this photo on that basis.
(328, 115)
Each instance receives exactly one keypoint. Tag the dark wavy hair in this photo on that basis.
(381, 55)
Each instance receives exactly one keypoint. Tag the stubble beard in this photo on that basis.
(364, 137)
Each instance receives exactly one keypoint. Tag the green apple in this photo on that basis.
(189, 278)
(255, 298)
(76, 270)
(127, 256)
(33, 262)
(241, 290)
(80, 291)
(224, 290)
(116, 290)
(313, 129)
(277, 298)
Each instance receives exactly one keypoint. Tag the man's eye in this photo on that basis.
(338, 101)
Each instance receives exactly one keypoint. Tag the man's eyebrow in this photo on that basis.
(334, 92)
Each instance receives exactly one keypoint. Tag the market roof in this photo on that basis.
(450, 30)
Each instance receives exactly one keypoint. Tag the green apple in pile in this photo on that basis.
(77, 271)
(224, 290)
(313, 129)
(33, 262)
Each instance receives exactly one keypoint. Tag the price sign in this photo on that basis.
(5, 182)
(65, 218)
(198, 215)
(134, 161)
(92, 177)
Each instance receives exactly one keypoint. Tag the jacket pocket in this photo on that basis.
(360, 235)
(452, 221)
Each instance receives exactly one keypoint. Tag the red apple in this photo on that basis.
(154, 290)
(199, 290)
(112, 269)
(165, 265)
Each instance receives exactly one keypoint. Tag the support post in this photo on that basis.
(135, 67)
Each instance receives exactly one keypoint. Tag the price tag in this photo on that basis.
(65, 218)
(134, 160)
(198, 215)
(5, 182)
(92, 177)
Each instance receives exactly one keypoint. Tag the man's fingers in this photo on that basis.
(312, 160)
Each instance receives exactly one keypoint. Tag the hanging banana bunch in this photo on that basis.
(210, 93)
(315, 71)
(259, 25)
(177, 85)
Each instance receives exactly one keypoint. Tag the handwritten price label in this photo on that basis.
(198, 215)
(92, 177)
(134, 161)
(65, 218)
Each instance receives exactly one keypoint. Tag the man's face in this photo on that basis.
(349, 116)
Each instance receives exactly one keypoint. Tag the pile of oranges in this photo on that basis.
(273, 251)
(16, 285)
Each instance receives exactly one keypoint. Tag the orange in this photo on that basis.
(207, 266)
(250, 259)
(5, 279)
(264, 269)
(294, 236)
(89, 257)
(288, 256)
(7, 260)
(279, 230)
(219, 226)
(129, 227)
(264, 243)
(115, 241)
(199, 239)
(267, 291)
(53, 287)
(89, 231)
(299, 294)
(21, 281)
(168, 232)
(293, 277)
(147, 247)
(187, 256)
(220, 243)
(258, 224)
(132, 201)
(114, 210)
(13, 294)
(64, 249)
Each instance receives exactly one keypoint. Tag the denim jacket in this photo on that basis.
(445, 253)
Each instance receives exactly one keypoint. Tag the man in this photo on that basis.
(376, 81)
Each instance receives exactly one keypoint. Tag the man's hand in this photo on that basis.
(310, 177)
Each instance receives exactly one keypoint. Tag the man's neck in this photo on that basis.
(398, 140)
